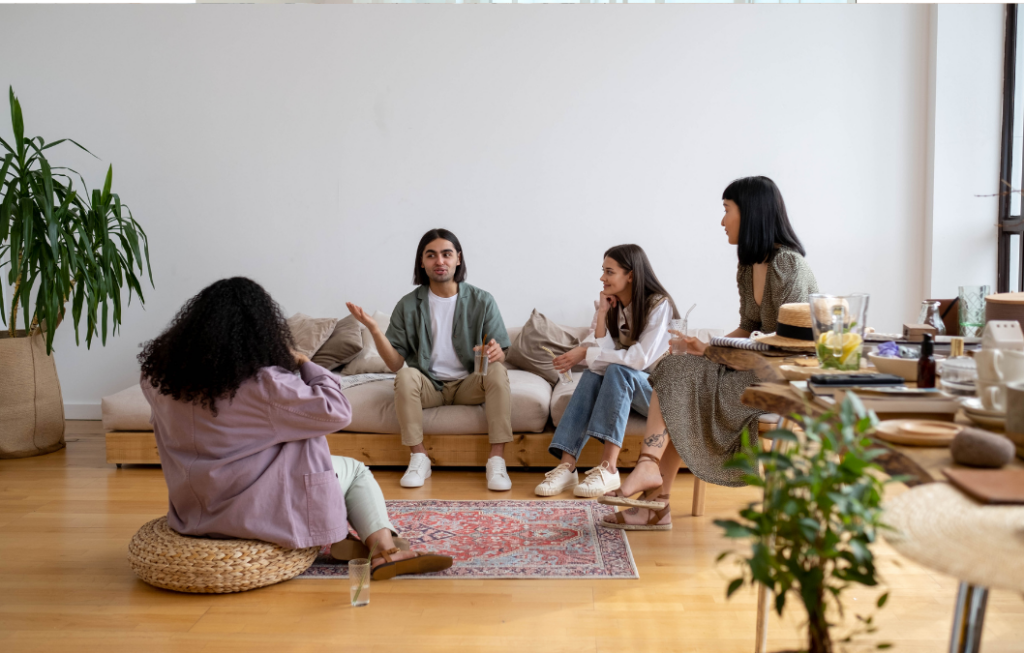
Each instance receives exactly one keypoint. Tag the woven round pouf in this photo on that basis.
(164, 558)
(941, 528)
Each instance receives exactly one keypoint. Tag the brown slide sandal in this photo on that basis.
(422, 563)
(352, 549)
(651, 525)
(616, 498)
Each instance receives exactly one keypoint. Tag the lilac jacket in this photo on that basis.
(261, 468)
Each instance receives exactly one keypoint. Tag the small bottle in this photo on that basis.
(926, 364)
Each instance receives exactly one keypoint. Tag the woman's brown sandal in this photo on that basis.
(616, 498)
(352, 549)
(652, 521)
(421, 563)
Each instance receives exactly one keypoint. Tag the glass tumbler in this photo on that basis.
(480, 361)
(359, 581)
(838, 325)
(972, 309)
(680, 326)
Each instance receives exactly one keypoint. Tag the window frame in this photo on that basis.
(1009, 224)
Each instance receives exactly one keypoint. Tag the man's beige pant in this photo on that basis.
(414, 392)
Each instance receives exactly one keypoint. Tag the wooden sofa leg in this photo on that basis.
(698, 497)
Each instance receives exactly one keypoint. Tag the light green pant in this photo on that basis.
(363, 499)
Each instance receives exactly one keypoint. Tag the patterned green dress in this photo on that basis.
(700, 400)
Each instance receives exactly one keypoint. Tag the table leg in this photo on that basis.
(968, 619)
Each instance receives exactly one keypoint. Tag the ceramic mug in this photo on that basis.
(992, 395)
(1000, 366)
(1015, 415)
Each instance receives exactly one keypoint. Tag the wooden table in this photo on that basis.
(921, 465)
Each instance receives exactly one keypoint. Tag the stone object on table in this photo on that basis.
(978, 448)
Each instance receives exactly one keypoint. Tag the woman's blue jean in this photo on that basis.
(599, 409)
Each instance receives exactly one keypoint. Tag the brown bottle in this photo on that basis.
(926, 364)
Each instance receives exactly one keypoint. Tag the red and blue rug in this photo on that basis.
(507, 539)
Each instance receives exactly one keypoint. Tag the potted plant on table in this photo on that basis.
(58, 244)
(812, 536)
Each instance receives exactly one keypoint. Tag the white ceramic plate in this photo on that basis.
(973, 406)
(987, 422)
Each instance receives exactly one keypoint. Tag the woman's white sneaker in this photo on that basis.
(497, 475)
(558, 480)
(599, 480)
(417, 472)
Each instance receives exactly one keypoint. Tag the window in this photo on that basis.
(1011, 173)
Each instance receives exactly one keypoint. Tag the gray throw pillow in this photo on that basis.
(526, 353)
(342, 346)
(309, 333)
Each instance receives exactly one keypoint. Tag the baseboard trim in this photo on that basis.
(82, 410)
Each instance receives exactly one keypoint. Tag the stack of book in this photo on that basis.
(897, 402)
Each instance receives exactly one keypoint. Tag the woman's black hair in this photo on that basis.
(763, 219)
(647, 290)
(219, 339)
(419, 275)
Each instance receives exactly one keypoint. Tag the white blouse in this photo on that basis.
(649, 347)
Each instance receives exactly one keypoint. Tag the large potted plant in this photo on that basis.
(812, 535)
(58, 244)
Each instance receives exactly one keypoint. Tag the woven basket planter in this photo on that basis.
(31, 406)
(164, 558)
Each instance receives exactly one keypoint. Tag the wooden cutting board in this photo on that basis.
(925, 433)
(996, 486)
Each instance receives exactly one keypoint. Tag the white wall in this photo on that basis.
(965, 111)
(310, 146)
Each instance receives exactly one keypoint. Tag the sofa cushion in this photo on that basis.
(127, 410)
(526, 353)
(344, 344)
(310, 333)
(373, 409)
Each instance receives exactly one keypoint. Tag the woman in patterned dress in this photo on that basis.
(696, 402)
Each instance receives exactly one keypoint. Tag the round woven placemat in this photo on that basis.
(164, 558)
(941, 528)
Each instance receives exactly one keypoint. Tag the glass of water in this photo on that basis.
(681, 326)
(359, 582)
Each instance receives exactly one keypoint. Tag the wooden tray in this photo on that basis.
(889, 431)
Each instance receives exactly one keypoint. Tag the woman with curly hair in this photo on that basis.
(241, 436)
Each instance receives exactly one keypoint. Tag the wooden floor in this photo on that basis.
(66, 518)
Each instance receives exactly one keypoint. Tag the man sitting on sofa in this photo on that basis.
(436, 329)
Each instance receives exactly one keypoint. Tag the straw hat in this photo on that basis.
(793, 328)
(941, 528)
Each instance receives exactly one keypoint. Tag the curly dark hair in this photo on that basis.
(219, 339)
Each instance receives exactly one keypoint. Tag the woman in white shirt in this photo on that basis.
(628, 336)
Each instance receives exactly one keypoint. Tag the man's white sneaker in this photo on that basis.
(497, 475)
(598, 481)
(558, 480)
(417, 472)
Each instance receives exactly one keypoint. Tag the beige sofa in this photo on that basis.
(452, 434)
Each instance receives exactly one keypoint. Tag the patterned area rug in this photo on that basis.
(507, 539)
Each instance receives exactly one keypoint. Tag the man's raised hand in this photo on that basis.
(361, 316)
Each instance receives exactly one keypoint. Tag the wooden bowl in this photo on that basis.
(904, 367)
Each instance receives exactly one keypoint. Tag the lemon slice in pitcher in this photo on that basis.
(851, 343)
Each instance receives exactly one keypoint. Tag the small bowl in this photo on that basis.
(904, 367)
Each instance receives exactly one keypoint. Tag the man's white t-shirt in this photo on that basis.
(444, 364)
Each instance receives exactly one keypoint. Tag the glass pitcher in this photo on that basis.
(838, 325)
(930, 315)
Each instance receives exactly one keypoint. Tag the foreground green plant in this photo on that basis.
(61, 244)
(811, 537)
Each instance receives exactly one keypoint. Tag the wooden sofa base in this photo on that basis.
(381, 449)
